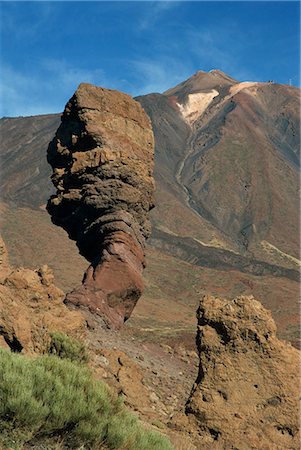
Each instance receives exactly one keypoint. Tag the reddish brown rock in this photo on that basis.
(102, 159)
(31, 307)
(4, 261)
(247, 391)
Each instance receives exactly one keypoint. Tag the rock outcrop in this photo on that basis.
(102, 160)
(4, 261)
(247, 390)
(31, 307)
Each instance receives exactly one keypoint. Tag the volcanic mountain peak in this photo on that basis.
(196, 103)
(202, 81)
(194, 95)
(222, 75)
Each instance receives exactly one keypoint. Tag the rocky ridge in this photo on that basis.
(102, 160)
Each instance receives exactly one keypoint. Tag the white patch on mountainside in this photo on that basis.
(238, 87)
(196, 104)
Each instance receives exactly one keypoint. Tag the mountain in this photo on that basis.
(230, 153)
(226, 221)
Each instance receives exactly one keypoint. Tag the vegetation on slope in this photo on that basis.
(65, 347)
(55, 400)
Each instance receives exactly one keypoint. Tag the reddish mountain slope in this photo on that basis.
(235, 166)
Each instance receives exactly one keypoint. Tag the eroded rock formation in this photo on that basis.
(102, 160)
(246, 393)
(31, 306)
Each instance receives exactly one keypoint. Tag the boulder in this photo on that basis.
(247, 390)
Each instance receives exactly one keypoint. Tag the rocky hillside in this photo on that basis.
(226, 171)
(237, 346)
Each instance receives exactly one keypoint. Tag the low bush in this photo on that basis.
(53, 397)
(65, 347)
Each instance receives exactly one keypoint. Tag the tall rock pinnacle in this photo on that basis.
(102, 160)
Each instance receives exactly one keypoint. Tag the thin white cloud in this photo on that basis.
(16, 94)
(168, 62)
(155, 12)
(68, 75)
(38, 18)
(222, 48)
(159, 74)
(45, 91)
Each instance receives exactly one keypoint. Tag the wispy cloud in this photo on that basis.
(38, 17)
(17, 94)
(224, 47)
(137, 47)
(198, 49)
(68, 75)
(154, 13)
(44, 91)
(158, 74)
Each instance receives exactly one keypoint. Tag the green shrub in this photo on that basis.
(54, 397)
(63, 346)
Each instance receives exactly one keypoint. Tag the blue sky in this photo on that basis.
(48, 48)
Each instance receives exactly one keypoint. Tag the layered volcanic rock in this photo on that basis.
(246, 393)
(102, 160)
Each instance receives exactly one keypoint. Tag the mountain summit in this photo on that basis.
(201, 81)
